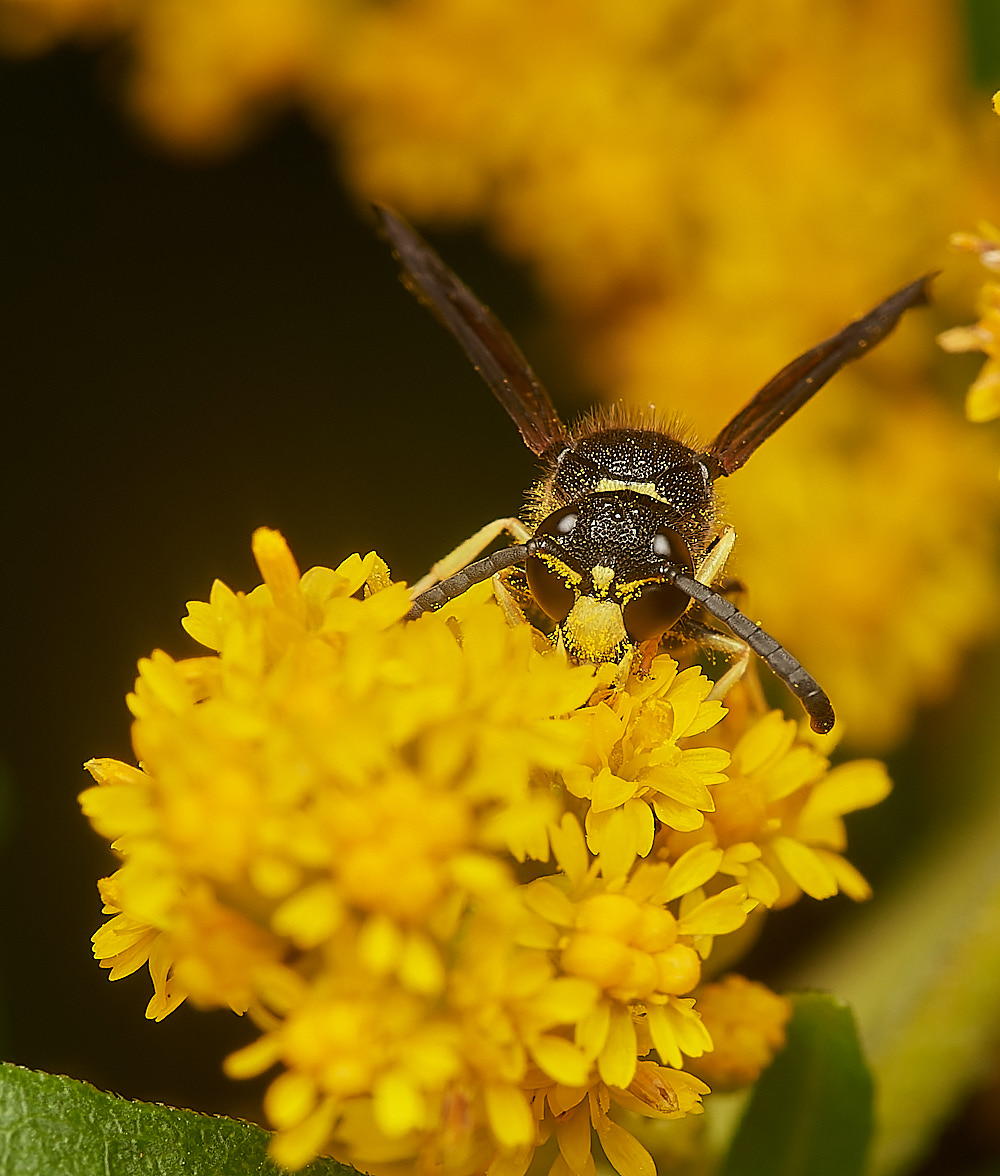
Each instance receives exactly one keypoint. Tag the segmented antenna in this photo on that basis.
(801, 683)
(475, 573)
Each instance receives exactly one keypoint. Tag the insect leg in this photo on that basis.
(715, 558)
(467, 551)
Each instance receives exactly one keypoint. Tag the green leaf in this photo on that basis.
(982, 37)
(52, 1126)
(811, 1112)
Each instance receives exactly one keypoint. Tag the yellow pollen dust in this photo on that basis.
(563, 570)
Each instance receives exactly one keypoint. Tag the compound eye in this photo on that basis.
(560, 524)
(551, 592)
(657, 608)
(668, 546)
(659, 605)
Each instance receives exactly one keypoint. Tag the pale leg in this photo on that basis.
(466, 552)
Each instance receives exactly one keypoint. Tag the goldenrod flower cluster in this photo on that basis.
(468, 895)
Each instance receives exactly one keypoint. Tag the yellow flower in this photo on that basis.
(983, 400)
(391, 1041)
(570, 1113)
(636, 771)
(641, 955)
(747, 1024)
(777, 822)
(325, 831)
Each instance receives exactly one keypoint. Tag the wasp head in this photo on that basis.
(597, 571)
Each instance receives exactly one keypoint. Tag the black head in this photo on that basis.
(597, 570)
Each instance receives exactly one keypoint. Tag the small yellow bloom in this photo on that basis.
(636, 770)
(747, 1024)
(641, 955)
(778, 818)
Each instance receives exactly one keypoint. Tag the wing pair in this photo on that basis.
(500, 362)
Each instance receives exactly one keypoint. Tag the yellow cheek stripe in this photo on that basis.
(625, 592)
(561, 569)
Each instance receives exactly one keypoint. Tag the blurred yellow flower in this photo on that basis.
(747, 1024)
(983, 399)
(703, 198)
(369, 835)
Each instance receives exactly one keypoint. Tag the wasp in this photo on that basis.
(625, 530)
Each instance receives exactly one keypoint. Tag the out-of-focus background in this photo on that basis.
(195, 344)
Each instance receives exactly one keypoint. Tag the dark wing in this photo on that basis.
(494, 353)
(786, 392)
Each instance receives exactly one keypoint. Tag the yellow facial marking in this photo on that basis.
(595, 631)
(603, 578)
(648, 488)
